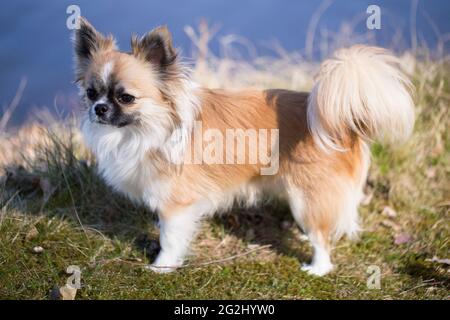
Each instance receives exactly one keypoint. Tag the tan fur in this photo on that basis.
(301, 163)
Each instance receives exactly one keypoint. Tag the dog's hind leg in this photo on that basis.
(326, 212)
(318, 233)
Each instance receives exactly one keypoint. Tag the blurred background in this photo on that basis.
(36, 53)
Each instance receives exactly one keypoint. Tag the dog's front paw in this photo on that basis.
(165, 263)
(159, 269)
(317, 269)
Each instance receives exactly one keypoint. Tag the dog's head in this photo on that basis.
(133, 89)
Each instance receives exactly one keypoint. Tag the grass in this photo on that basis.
(52, 197)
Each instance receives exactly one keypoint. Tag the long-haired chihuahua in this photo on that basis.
(187, 152)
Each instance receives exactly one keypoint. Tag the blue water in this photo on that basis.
(35, 42)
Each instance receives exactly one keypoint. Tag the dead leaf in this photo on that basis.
(402, 238)
(68, 292)
(389, 212)
(32, 234)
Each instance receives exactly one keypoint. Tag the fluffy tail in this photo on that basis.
(360, 90)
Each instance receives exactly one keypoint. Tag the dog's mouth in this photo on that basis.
(101, 121)
(98, 120)
(118, 122)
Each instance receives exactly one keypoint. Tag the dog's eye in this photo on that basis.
(91, 94)
(126, 98)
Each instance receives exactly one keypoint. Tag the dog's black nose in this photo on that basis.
(101, 109)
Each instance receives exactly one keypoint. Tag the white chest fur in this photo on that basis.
(123, 162)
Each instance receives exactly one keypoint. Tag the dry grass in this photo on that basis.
(51, 196)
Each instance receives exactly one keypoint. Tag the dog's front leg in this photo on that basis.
(177, 228)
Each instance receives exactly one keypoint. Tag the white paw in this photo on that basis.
(164, 264)
(317, 269)
(159, 269)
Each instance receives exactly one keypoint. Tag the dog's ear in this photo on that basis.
(155, 47)
(87, 41)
